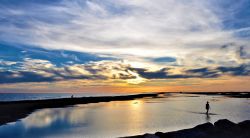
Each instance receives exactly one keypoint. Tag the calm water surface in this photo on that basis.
(114, 119)
(40, 96)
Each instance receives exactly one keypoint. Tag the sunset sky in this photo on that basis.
(124, 45)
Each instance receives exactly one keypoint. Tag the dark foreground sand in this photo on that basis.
(220, 129)
(15, 110)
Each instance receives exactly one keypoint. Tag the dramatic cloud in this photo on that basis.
(118, 27)
(243, 70)
(40, 65)
(203, 73)
(121, 41)
(165, 73)
(36, 70)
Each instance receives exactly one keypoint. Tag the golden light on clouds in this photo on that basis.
(124, 46)
(110, 86)
(136, 80)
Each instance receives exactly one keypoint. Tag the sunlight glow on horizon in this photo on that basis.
(124, 46)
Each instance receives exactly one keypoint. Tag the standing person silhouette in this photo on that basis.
(207, 107)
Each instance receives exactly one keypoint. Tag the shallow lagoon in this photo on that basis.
(124, 118)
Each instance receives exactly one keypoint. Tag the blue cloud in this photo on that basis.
(235, 14)
(9, 77)
(242, 70)
(17, 53)
(216, 72)
(160, 74)
(29, 76)
(25, 2)
(203, 73)
(242, 53)
(165, 59)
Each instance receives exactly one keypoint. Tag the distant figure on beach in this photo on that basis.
(72, 96)
(207, 107)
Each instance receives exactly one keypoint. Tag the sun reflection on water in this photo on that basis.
(136, 104)
(125, 118)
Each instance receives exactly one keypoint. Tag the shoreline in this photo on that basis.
(228, 94)
(12, 111)
(220, 129)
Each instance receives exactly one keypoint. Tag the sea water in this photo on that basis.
(41, 96)
(125, 118)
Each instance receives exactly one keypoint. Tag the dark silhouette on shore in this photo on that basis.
(207, 107)
(220, 129)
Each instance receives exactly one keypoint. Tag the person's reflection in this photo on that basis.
(208, 117)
